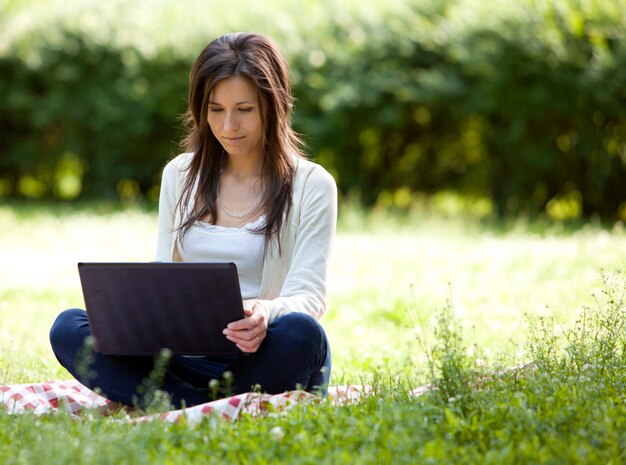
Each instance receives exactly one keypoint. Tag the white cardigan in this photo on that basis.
(295, 281)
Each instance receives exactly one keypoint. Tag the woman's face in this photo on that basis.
(235, 118)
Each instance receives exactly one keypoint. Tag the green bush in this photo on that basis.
(519, 103)
(102, 115)
(524, 106)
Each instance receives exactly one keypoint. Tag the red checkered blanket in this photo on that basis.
(73, 397)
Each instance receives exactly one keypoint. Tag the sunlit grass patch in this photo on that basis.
(563, 407)
(387, 273)
(427, 300)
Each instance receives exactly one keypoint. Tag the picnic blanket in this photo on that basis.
(72, 397)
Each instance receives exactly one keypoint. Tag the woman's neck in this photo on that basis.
(243, 167)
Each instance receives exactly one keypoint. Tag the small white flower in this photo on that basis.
(277, 433)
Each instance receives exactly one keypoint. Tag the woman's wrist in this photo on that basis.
(265, 308)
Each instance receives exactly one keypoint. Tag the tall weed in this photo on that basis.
(595, 345)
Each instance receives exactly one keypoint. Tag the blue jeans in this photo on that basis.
(294, 353)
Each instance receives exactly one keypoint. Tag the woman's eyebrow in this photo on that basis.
(243, 102)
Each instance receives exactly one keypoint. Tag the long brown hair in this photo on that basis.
(257, 58)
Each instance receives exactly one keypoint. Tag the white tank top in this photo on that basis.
(205, 242)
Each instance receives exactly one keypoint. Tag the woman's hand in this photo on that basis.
(249, 332)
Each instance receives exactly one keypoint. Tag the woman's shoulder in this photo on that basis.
(313, 185)
(177, 166)
(180, 162)
(309, 172)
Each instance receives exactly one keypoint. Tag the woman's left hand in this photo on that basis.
(249, 332)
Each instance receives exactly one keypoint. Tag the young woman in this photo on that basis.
(243, 193)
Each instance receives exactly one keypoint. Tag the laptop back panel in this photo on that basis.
(140, 308)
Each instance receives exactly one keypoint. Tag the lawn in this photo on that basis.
(393, 281)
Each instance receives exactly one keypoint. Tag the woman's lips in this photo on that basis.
(233, 140)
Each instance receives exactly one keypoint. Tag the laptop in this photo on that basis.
(141, 308)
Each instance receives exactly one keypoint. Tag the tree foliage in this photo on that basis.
(523, 104)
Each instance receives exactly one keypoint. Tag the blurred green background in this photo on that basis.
(506, 107)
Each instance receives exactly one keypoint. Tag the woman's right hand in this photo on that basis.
(249, 332)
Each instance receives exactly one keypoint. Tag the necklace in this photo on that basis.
(239, 215)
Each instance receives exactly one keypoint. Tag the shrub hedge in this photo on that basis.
(522, 104)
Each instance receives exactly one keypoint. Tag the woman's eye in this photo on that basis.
(246, 110)
(215, 110)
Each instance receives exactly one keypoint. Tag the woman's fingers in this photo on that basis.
(247, 334)
(241, 325)
(247, 345)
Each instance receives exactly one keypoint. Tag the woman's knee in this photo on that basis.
(66, 325)
(301, 330)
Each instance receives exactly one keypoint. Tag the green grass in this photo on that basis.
(412, 300)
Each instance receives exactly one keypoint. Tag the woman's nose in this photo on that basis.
(231, 123)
